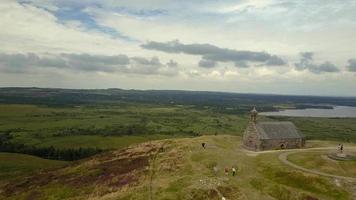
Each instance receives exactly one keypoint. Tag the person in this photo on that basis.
(233, 171)
(226, 171)
(216, 170)
(341, 148)
(203, 145)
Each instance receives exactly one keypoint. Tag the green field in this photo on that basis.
(115, 126)
(336, 129)
(40, 126)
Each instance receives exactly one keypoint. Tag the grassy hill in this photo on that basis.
(166, 160)
(13, 165)
(179, 169)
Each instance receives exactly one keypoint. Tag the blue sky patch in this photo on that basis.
(77, 13)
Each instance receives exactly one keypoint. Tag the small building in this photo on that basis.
(260, 136)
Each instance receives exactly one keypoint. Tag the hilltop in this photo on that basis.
(182, 169)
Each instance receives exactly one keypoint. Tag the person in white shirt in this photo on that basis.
(233, 171)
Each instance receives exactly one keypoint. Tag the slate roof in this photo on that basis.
(277, 130)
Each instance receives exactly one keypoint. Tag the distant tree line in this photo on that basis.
(118, 130)
(68, 154)
(70, 97)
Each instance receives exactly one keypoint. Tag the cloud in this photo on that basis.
(207, 63)
(172, 63)
(145, 61)
(18, 63)
(306, 63)
(352, 65)
(141, 65)
(86, 30)
(241, 64)
(29, 28)
(22, 63)
(103, 59)
(211, 54)
(275, 61)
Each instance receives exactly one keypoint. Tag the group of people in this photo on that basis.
(233, 171)
(226, 170)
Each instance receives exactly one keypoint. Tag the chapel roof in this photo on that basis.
(277, 130)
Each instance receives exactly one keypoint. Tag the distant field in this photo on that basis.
(73, 127)
(13, 165)
(102, 142)
(336, 129)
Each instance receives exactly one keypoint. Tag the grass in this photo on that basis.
(268, 177)
(291, 181)
(319, 161)
(30, 118)
(103, 142)
(184, 170)
(13, 165)
(50, 192)
(37, 125)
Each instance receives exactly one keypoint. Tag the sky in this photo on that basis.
(304, 47)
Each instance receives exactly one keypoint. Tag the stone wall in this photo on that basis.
(282, 144)
(250, 137)
(251, 141)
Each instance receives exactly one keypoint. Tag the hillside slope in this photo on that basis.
(178, 169)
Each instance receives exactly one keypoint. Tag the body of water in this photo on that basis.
(337, 111)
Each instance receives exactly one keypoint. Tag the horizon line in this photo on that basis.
(181, 90)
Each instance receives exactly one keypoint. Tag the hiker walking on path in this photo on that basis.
(233, 171)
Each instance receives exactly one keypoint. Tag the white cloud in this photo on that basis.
(236, 7)
(282, 28)
(31, 29)
(27, 63)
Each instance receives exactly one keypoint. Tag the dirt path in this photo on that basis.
(283, 158)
